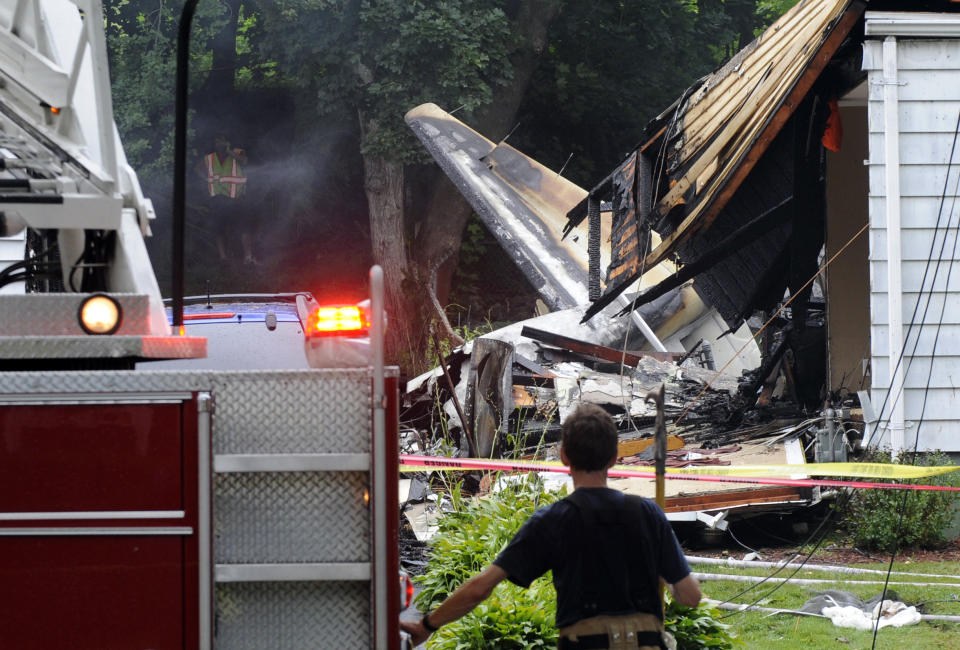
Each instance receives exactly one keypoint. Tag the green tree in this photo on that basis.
(608, 69)
(354, 67)
(369, 61)
(377, 60)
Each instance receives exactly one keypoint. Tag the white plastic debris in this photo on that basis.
(892, 613)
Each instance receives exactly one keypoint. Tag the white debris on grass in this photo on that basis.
(894, 613)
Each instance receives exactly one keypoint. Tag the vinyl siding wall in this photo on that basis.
(928, 82)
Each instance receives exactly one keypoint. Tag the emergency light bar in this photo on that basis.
(342, 320)
(209, 315)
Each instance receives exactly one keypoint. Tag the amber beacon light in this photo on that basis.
(100, 314)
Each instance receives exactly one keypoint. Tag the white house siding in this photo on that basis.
(928, 104)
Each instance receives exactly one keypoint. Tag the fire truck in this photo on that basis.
(146, 508)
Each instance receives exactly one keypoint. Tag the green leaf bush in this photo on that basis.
(468, 539)
(472, 535)
(697, 627)
(872, 517)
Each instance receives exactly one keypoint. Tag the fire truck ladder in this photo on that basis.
(62, 167)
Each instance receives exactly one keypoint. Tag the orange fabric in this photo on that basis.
(833, 134)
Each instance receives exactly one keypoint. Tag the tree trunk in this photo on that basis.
(218, 90)
(383, 185)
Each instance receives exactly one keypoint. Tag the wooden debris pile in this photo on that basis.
(496, 398)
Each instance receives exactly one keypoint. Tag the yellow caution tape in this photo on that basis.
(846, 470)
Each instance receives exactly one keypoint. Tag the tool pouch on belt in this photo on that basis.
(633, 631)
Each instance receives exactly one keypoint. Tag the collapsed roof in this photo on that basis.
(731, 176)
(699, 171)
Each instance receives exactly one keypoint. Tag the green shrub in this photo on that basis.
(511, 619)
(472, 535)
(468, 539)
(697, 627)
(873, 516)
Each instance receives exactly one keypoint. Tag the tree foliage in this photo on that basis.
(142, 45)
(611, 67)
(325, 84)
(379, 59)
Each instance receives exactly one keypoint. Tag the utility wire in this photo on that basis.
(900, 359)
(933, 351)
(797, 569)
(923, 281)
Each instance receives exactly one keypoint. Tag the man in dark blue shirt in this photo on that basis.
(608, 553)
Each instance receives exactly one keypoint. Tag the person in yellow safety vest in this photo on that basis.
(226, 191)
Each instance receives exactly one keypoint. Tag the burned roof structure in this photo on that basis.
(731, 176)
(698, 184)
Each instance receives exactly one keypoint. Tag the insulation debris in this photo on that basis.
(844, 609)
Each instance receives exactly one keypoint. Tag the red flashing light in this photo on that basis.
(344, 320)
(406, 590)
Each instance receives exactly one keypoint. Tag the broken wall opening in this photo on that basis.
(848, 276)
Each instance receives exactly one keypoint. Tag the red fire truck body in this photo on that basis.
(161, 508)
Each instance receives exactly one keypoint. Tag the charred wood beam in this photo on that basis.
(593, 248)
(809, 218)
(532, 366)
(591, 349)
(740, 238)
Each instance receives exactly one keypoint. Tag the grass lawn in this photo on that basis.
(786, 631)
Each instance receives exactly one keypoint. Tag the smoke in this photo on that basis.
(305, 195)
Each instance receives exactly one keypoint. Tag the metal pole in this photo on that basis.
(180, 159)
(380, 541)
(660, 449)
(204, 519)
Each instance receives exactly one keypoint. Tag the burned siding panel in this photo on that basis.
(794, 48)
(731, 285)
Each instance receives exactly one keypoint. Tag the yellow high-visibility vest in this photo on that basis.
(224, 178)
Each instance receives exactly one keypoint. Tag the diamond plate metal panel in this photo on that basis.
(101, 381)
(101, 347)
(55, 314)
(290, 517)
(292, 616)
(149, 381)
(289, 413)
